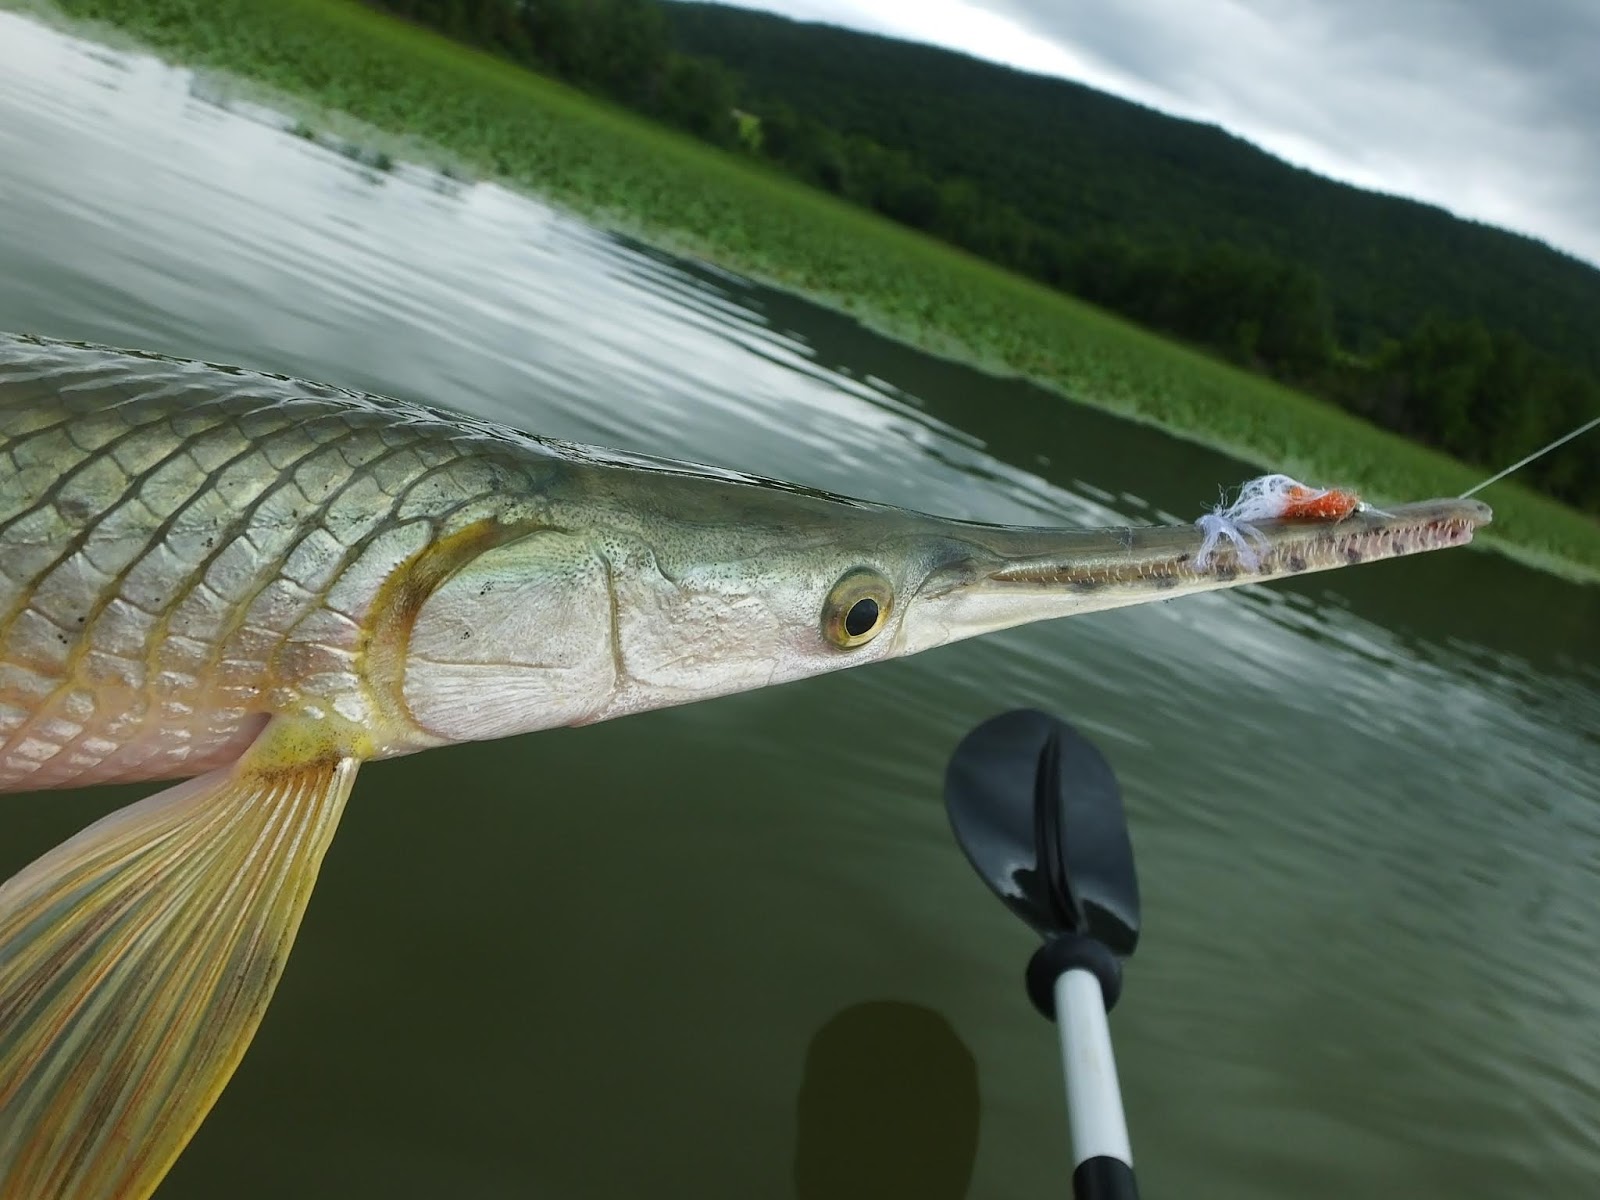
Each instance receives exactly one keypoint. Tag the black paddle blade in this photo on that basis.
(1038, 812)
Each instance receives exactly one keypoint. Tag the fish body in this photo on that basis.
(256, 583)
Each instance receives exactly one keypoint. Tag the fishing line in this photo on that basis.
(1560, 441)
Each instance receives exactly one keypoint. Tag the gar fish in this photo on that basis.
(255, 584)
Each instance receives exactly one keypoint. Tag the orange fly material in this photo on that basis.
(1309, 504)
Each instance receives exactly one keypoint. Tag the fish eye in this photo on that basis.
(857, 608)
(863, 615)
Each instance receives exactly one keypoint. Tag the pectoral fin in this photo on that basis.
(137, 958)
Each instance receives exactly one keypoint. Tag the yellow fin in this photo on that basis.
(137, 958)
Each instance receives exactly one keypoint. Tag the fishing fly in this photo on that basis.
(1269, 498)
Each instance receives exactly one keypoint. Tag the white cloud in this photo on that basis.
(971, 28)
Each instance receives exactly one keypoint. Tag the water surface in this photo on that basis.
(731, 949)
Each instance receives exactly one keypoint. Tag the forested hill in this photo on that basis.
(1088, 165)
(1469, 338)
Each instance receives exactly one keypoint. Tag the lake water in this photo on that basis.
(731, 949)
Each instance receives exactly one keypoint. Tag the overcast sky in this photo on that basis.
(1490, 108)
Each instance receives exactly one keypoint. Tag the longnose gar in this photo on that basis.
(259, 583)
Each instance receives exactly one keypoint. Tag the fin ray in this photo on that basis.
(136, 960)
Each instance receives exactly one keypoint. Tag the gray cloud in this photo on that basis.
(1490, 108)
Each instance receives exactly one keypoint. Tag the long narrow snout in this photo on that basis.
(1017, 576)
(1168, 557)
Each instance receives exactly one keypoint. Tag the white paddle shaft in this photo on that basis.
(1094, 1098)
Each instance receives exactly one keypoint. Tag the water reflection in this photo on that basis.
(888, 1108)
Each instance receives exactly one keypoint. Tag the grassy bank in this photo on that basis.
(675, 192)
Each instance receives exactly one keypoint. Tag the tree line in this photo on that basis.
(1468, 338)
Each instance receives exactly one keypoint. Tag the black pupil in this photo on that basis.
(863, 615)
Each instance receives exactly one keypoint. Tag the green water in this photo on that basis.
(731, 949)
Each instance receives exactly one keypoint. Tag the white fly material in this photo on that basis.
(1265, 498)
